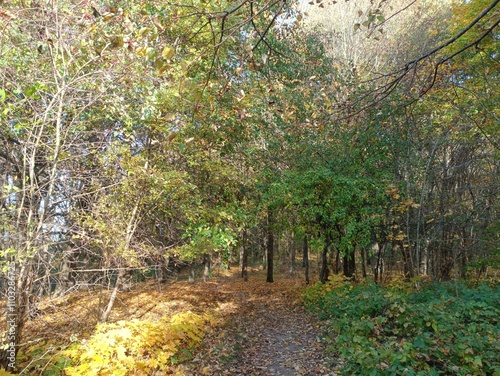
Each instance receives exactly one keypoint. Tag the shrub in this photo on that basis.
(446, 328)
(137, 347)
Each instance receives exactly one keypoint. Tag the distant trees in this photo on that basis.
(438, 146)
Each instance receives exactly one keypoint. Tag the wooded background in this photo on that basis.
(138, 138)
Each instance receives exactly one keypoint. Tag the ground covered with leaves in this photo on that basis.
(227, 326)
(269, 334)
(245, 328)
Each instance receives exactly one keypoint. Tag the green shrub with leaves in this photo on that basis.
(42, 358)
(444, 329)
(137, 347)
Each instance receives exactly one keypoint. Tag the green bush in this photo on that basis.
(445, 329)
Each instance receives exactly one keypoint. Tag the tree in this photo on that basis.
(100, 76)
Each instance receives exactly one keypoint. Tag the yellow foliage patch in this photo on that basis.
(137, 347)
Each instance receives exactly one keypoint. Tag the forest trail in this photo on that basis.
(259, 328)
(268, 333)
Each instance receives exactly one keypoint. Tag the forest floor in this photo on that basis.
(261, 328)
(269, 333)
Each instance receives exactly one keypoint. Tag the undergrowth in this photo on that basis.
(131, 347)
(137, 347)
(437, 329)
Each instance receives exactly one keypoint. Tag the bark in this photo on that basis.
(305, 252)
(270, 247)
(336, 264)
(407, 268)
(349, 264)
(191, 272)
(363, 262)
(305, 258)
(379, 265)
(114, 294)
(324, 272)
(244, 258)
(206, 267)
(122, 273)
(162, 269)
(66, 278)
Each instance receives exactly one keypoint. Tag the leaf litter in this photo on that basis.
(259, 328)
(270, 333)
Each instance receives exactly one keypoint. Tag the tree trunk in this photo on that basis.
(336, 264)
(162, 269)
(363, 262)
(270, 247)
(378, 271)
(244, 258)
(114, 294)
(66, 278)
(350, 264)
(206, 267)
(305, 258)
(305, 252)
(407, 267)
(324, 272)
(191, 272)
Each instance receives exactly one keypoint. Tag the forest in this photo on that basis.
(171, 168)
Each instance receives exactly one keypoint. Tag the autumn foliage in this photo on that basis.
(137, 347)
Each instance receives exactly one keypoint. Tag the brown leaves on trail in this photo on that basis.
(258, 328)
(269, 335)
(279, 342)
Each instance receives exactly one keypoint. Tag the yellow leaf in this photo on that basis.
(168, 52)
(141, 51)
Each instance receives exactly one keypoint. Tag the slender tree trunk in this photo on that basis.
(66, 278)
(114, 294)
(363, 262)
(192, 273)
(324, 272)
(305, 258)
(244, 258)
(336, 264)
(407, 267)
(379, 266)
(305, 252)
(163, 269)
(131, 227)
(206, 267)
(270, 247)
(350, 264)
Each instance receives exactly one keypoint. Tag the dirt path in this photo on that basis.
(268, 333)
(259, 328)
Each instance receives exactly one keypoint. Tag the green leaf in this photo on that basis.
(3, 95)
(150, 53)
